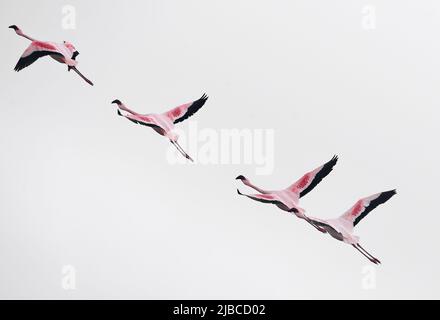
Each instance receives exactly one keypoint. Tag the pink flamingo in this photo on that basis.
(63, 53)
(164, 123)
(288, 199)
(342, 227)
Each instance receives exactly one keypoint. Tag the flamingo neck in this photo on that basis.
(249, 184)
(20, 33)
(123, 107)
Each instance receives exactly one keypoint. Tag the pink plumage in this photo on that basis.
(63, 53)
(288, 199)
(164, 123)
(342, 228)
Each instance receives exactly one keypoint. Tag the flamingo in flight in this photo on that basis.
(342, 227)
(63, 53)
(288, 199)
(164, 123)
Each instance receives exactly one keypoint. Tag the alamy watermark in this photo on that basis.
(369, 17)
(68, 279)
(369, 281)
(226, 147)
(68, 21)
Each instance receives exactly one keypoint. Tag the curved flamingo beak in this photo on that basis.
(13, 27)
(240, 178)
(118, 102)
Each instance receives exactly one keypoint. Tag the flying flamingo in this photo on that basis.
(342, 227)
(288, 199)
(63, 53)
(164, 123)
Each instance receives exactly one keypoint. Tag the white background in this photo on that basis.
(79, 186)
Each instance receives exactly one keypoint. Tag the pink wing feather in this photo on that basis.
(364, 206)
(186, 110)
(36, 50)
(310, 180)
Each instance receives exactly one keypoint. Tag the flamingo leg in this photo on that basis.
(186, 154)
(360, 247)
(372, 260)
(81, 75)
(179, 148)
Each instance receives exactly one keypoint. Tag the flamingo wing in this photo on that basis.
(185, 111)
(36, 50)
(364, 206)
(140, 119)
(310, 180)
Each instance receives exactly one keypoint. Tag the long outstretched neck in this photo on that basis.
(27, 37)
(258, 189)
(21, 33)
(123, 107)
(251, 185)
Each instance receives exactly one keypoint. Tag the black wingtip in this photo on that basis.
(390, 193)
(240, 178)
(333, 162)
(116, 101)
(13, 27)
(238, 191)
(18, 67)
(204, 97)
(119, 113)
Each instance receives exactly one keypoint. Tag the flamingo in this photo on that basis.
(288, 199)
(342, 227)
(164, 123)
(63, 53)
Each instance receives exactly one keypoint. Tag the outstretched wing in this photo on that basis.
(364, 206)
(139, 119)
(310, 180)
(185, 111)
(36, 50)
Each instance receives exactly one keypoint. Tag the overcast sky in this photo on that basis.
(91, 197)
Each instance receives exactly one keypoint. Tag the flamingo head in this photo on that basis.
(118, 102)
(16, 29)
(244, 180)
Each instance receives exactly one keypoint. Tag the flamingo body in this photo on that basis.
(288, 199)
(342, 228)
(62, 52)
(164, 123)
